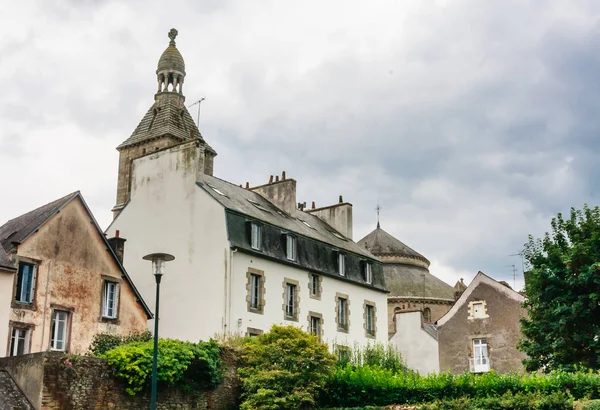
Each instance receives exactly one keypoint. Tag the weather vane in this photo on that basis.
(378, 208)
(172, 34)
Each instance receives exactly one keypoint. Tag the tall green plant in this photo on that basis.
(563, 294)
(284, 369)
(103, 342)
(187, 365)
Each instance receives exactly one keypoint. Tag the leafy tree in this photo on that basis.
(563, 294)
(284, 369)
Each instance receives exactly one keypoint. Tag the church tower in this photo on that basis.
(167, 123)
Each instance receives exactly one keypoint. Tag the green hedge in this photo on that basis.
(354, 386)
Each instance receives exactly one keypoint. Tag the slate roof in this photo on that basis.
(238, 199)
(18, 229)
(5, 262)
(431, 330)
(167, 116)
(407, 281)
(379, 242)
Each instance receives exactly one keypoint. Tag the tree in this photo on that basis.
(563, 294)
(284, 369)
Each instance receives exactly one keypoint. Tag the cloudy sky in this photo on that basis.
(472, 123)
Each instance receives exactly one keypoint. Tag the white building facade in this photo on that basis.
(246, 258)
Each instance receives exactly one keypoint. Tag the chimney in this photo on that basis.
(283, 176)
(247, 185)
(118, 246)
(271, 179)
(338, 216)
(281, 193)
(313, 204)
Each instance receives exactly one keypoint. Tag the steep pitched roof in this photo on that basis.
(167, 116)
(17, 230)
(239, 200)
(20, 228)
(480, 278)
(415, 281)
(5, 263)
(380, 243)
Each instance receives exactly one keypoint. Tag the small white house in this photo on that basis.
(246, 258)
(417, 341)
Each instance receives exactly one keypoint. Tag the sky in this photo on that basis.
(472, 123)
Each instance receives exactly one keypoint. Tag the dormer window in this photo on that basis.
(341, 264)
(255, 235)
(291, 245)
(368, 272)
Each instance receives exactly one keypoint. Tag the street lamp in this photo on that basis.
(158, 267)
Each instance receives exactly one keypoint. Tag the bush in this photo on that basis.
(508, 401)
(284, 369)
(357, 385)
(372, 354)
(103, 342)
(190, 366)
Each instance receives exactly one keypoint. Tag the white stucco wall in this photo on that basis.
(418, 348)
(275, 273)
(6, 289)
(169, 213)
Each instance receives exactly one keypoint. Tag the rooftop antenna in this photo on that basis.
(522, 261)
(198, 102)
(514, 271)
(378, 208)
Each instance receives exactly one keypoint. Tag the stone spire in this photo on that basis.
(165, 124)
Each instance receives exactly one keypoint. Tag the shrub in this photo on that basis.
(284, 369)
(372, 354)
(508, 401)
(188, 365)
(103, 342)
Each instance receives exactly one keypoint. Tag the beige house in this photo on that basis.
(66, 283)
(481, 331)
(7, 272)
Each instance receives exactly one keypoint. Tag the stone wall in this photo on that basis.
(88, 383)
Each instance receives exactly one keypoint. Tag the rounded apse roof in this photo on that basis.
(381, 243)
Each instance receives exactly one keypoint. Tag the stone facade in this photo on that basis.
(487, 311)
(89, 384)
(72, 263)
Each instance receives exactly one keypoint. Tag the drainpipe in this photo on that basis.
(45, 306)
(228, 299)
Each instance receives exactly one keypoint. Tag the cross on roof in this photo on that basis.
(378, 208)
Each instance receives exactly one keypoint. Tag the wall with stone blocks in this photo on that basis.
(89, 384)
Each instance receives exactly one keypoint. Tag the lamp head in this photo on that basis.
(158, 262)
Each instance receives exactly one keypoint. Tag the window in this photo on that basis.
(305, 223)
(315, 326)
(341, 264)
(290, 299)
(480, 362)
(110, 300)
(315, 286)
(259, 206)
(370, 320)
(255, 235)
(342, 312)
(25, 283)
(19, 341)
(427, 315)
(477, 310)
(291, 247)
(254, 291)
(216, 190)
(337, 235)
(253, 332)
(368, 272)
(59, 330)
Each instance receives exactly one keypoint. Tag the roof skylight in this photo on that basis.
(259, 206)
(216, 190)
(305, 223)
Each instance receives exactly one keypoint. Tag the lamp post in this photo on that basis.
(158, 266)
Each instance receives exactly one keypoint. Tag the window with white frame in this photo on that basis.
(291, 247)
(25, 282)
(368, 272)
(255, 291)
(342, 313)
(315, 285)
(19, 341)
(290, 301)
(315, 325)
(480, 362)
(341, 264)
(370, 320)
(255, 235)
(110, 299)
(59, 331)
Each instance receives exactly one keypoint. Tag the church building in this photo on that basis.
(245, 257)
